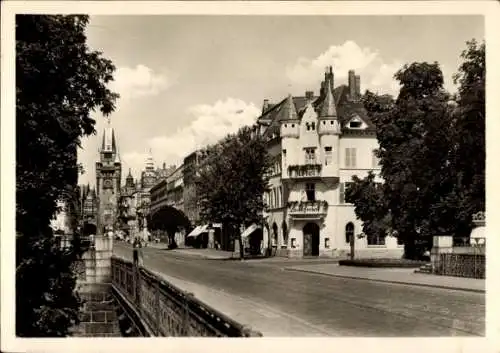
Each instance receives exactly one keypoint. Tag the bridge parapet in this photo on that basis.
(165, 310)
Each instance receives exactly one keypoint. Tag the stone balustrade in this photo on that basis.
(167, 310)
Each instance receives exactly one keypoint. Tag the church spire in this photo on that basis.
(108, 138)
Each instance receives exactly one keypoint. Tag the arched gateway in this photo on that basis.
(311, 239)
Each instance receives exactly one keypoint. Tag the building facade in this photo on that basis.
(318, 143)
(190, 174)
(108, 182)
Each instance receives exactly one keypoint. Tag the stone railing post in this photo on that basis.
(441, 244)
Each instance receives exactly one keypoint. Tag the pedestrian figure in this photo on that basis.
(135, 245)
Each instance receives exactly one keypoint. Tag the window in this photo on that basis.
(375, 160)
(355, 124)
(350, 157)
(375, 240)
(349, 232)
(328, 155)
(311, 126)
(284, 158)
(343, 187)
(311, 191)
(310, 155)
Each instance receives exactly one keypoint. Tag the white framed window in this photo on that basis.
(349, 232)
(311, 191)
(310, 155)
(350, 157)
(328, 155)
(342, 189)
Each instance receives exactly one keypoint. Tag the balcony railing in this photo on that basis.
(304, 170)
(307, 208)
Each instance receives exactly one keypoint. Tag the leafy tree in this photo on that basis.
(413, 136)
(468, 152)
(59, 83)
(370, 205)
(169, 219)
(232, 181)
(432, 154)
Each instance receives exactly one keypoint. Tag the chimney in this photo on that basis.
(352, 84)
(265, 106)
(309, 95)
(330, 77)
(357, 79)
(164, 165)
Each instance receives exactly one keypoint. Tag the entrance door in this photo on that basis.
(311, 239)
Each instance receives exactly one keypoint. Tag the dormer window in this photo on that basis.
(355, 124)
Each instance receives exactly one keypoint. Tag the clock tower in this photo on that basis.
(108, 181)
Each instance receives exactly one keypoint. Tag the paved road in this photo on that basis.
(337, 305)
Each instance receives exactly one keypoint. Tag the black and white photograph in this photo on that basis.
(302, 174)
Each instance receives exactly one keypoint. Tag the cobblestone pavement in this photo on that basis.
(290, 303)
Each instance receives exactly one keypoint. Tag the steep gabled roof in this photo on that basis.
(345, 109)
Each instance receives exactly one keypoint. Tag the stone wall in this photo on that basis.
(94, 287)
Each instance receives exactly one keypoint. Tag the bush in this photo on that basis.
(387, 263)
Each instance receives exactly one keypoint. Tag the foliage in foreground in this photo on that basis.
(59, 83)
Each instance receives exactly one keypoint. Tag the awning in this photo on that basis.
(197, 231)
(478, 233)
(249, 230)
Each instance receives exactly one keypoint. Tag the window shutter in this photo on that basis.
(353, 157)
(341, 193)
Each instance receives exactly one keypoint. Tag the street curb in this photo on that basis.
(482, 291)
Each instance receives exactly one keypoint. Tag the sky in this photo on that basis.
(187, 81)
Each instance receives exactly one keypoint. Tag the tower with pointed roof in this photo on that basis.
(148, 175)
(328, 130)
(289, 131)
(108, 181)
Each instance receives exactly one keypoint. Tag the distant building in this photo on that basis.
(318, 143)
(190, 174)
(108, 182)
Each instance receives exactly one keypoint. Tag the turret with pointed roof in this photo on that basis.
(327, 109)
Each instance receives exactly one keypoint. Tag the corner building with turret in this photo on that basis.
(318, 143)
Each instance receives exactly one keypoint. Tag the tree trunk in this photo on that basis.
(242, 250)
(409, 247)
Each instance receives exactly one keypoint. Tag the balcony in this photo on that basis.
(307, 209)
(304, 171)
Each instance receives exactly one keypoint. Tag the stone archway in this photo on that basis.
(285, 233)
(311, 239)
(275, 234)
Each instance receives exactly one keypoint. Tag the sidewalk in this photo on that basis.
(394, 275)
(211, 254)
